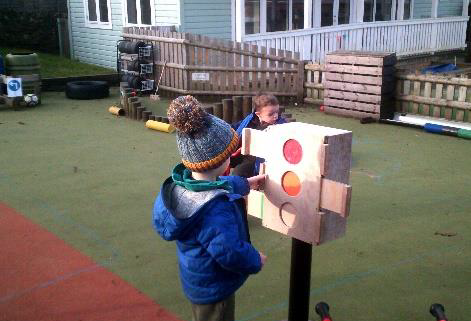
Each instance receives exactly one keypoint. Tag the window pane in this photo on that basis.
(450, 8)
(298, 14)
(406, 9)
(132, 12)
(103, 10)
(277, 15)
(91, 10)
(252, 16)
(383, 10)
(145, 12)
(368, 11)
(327, 13)
(344, 12)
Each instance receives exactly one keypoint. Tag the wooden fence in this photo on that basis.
(199, 65)
(314, 83)
(436, 96)
(429, 95)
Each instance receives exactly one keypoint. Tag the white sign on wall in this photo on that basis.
(14, 88)
(200, 76)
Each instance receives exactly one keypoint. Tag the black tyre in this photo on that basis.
(87, 89)
(130, 47)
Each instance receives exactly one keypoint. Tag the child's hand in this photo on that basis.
(263, 258)
(257, 182)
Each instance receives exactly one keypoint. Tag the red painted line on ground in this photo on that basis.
(42, 278)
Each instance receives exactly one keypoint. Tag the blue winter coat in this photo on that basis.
(215, 257)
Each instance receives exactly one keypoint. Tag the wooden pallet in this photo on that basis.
(359, 84)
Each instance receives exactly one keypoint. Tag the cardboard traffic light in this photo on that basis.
(306, 194)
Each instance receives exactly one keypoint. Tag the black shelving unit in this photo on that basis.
(136, 68)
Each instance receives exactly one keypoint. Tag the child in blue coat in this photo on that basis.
(266, 112)
(205, 213)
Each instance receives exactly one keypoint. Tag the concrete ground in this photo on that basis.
(91, 178)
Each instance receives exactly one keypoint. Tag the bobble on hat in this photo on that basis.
(186, 115)
(203, 140)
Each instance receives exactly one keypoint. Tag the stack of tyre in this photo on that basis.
(131, 73)
(25, 66)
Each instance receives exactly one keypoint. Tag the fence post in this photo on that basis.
(300, 82)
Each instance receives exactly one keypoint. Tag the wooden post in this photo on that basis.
(300, 82)
(246, 105)
(209, 110)
(237, 114)
(227, 110)
(146, 115)
(139, 112)
(218, 110)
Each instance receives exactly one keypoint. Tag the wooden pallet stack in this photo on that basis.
(359, 84)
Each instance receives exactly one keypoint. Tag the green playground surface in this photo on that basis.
(91, 178)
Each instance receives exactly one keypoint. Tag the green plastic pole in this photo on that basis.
(464, 133)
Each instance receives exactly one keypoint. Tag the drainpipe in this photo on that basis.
(71, 36)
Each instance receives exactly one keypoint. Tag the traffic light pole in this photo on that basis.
(300, 280)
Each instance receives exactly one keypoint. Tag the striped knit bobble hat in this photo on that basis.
(204, 141)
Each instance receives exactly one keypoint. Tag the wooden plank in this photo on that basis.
(416, 92)
(213, 75)
(230, 74)
(200, 60)
(461, 98)
(375, 99)
(222, 62)
(350, 113)
(427, 94)
(361, 88)
(263, 75)
(309, 92)
(438, 96)
(361, 58)
(449, 104)
(335, 197)
(181, 80)
(246, 74)
(314, 67)
(280, 81)
(450, 93)
(359, 79)
(354, 105)
(238, 76)
(272, 76)
(300, 82)
(186, 61)
(399, 88)
(374, 71)
(255, 75)
(436, 79)
(298, 78)
(191, 61)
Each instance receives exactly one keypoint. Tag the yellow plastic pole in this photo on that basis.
(163, 127)
(116, 111)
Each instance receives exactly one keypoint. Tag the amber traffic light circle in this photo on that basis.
(291, 183)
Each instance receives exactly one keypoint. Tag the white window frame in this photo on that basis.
(318, 8)
(97, 24)
(138, 9)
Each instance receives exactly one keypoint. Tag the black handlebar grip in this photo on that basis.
(322, 309)
(438, 311)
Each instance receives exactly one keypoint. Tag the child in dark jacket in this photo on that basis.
(266, 112)
(205, 213)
